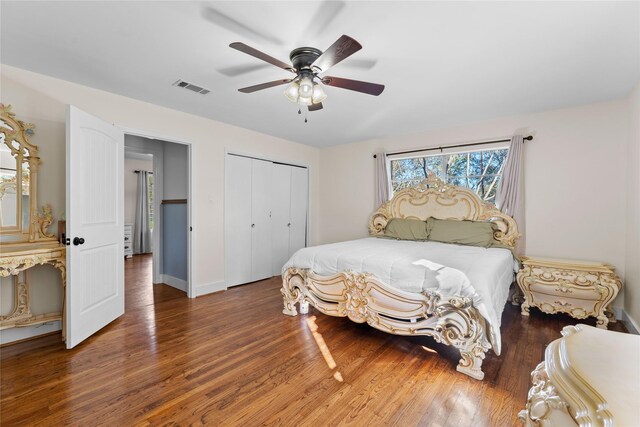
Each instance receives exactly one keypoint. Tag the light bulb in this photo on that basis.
(318, 94)
(302, 100)
(291, 92)
(306, 87)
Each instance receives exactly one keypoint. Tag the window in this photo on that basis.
(150, 186)
(478, 170)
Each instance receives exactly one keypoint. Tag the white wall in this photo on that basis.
(42, 100)
(131, 185)
(632, 270)
(574, 179)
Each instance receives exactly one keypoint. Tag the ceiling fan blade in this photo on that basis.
(315, 107)
(261, 55)
(225, 21)
(342, 48)
(256, 88)
(327, 12)
(238, 70)
(356, 85)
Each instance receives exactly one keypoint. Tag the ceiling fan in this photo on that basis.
(307, 63)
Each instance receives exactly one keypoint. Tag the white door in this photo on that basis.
(299, 202)
(280, 221)
(261, 266)
(95, 216)
(237, 220)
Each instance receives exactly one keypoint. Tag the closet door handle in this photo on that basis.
(253, 226)
(289, 225)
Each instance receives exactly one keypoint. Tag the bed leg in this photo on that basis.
(292, 281)
(472, 357)
(289, 306)
(290, 299)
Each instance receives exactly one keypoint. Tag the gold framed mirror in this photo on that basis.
(20, 220)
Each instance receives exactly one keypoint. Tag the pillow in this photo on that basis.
(406, 229)
(472, 233)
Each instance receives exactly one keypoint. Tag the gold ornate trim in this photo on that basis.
(434, 198)
(16, 260)
(543, 399)
(17, 136)
(42, 221)
(363, 298)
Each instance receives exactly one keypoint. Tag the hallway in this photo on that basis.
(138, 281)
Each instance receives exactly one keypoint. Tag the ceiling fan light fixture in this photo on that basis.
(305, 100)
(318, 94)
(291, 92)
(306, 87)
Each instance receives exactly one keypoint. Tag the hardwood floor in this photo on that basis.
(233, 358)
(140, 292)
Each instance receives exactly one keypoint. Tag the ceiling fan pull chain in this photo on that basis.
(305, 116)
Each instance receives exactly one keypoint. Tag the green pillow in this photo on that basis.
(406, 229)
(472, 233)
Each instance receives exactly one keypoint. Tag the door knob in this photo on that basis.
(253, 225)
(78, 241)
(289, 225)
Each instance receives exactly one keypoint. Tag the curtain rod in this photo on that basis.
(143, 171)
(526, 138)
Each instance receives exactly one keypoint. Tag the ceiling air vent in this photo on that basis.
(191, 87)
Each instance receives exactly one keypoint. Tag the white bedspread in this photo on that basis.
(453, 270)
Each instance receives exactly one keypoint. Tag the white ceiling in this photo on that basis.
(443, 63)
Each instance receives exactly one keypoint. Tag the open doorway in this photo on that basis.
(156, 217)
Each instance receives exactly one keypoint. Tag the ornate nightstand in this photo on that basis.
(581, 289)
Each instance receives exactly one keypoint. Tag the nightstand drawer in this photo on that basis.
(564, 289)
(578, 308)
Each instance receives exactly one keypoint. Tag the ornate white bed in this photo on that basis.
(362, 297)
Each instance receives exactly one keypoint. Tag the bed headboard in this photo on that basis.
(434, 198)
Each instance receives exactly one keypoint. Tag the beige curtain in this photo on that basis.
(510, 192)
(382, 180)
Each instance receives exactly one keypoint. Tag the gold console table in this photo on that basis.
(16, 260)
(24, 239)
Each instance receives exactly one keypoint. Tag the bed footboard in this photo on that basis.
(362, 298)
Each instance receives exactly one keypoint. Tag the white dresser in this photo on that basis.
(589, 377)
(128, 240)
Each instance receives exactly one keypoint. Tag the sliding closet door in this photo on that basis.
(238, 232)
(298, 215)
(265, 217)
(261, 190)
(281, 200)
